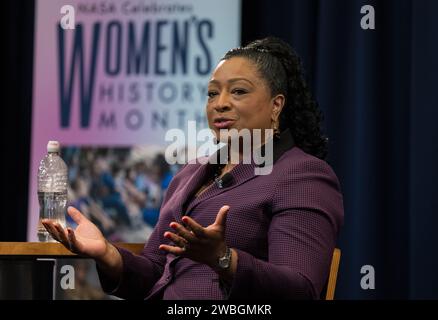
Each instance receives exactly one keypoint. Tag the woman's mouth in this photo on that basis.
(222, 123)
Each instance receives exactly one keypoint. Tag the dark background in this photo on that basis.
(379, 93)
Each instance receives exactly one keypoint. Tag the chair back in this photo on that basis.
(333, 275)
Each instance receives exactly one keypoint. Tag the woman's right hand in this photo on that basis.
(85, 240)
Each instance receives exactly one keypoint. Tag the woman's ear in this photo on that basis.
(277, 105)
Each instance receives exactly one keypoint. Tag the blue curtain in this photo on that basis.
(379, 93)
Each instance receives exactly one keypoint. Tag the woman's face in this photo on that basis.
(239, 98)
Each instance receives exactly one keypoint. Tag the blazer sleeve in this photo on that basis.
(307, 213)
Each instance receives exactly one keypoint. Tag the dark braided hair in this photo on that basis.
(281, 68)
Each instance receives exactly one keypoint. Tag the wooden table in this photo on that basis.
(28, 269)
(50, 249)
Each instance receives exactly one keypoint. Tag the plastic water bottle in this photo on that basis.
(52, 189)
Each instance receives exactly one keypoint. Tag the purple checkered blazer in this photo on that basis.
(283, 226)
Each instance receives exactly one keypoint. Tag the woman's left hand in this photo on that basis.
(203, 245)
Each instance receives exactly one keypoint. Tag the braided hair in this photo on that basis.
(281, 68)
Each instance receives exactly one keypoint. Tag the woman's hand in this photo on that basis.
(85, 240)
(204, 245)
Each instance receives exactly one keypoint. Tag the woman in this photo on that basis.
(259, 236)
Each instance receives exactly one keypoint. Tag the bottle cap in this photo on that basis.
(53, 146)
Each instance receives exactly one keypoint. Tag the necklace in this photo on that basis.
(215, 178)
(218, 171)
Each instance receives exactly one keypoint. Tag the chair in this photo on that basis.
(333, 275)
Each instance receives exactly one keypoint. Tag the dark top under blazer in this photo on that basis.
(283, 225)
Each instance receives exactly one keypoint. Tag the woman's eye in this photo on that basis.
(211, 94)
(239, 91)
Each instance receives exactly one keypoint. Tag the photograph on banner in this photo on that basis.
(118, 189)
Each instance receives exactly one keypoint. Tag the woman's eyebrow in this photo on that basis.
(239, 79)
(232, 80)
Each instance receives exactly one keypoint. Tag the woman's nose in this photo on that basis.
(223, 103)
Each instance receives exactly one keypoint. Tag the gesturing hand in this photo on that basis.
(85, 240)
(204, 245)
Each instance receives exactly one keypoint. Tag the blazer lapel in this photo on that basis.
(240, 173)
(183, 195)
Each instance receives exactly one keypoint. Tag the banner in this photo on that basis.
(110, 79)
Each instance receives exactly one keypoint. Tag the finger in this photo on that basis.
(221, 217)
(183, 232)
(51, 229)
(75, 214)
(197, 229)
(171, 249)
(62, 235)
(75, 246)
(179, 241)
